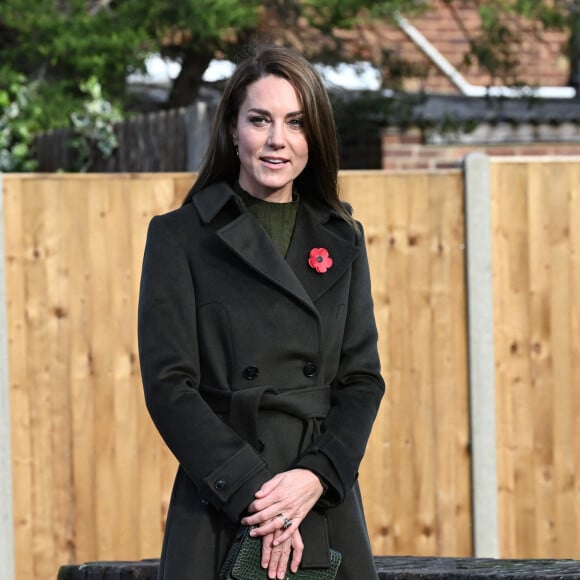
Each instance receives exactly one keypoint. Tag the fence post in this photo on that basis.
(198, 120)
(6, 517)
(481, 355)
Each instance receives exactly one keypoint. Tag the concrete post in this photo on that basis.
(6, 516)
(481, 355)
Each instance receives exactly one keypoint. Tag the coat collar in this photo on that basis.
(316, 227)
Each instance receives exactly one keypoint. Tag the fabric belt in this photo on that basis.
(307, 403)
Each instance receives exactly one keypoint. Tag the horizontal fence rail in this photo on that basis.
(91, 477)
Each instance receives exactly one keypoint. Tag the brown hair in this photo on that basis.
(319, 179)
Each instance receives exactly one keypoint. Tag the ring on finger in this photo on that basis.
(287, 523)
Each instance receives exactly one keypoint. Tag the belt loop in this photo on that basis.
(243, 414)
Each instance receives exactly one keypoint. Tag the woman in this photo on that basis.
(257, 336)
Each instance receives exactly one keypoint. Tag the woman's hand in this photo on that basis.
(275, 558)
(290, 495)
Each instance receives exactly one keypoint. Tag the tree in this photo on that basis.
(193, 32)
(60, 44)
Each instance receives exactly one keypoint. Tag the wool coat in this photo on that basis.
(252, 364)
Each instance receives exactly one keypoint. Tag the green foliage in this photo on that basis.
(94, 126)
(19, 120)
(58, 44)
(197, 22)
(329, 14)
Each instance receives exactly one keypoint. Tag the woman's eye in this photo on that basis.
(258, 120)
(296, 123)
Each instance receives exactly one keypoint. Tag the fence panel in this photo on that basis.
(415, 476)
(536, 237)
(91, 476)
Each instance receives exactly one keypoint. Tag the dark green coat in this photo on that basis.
(253, 364)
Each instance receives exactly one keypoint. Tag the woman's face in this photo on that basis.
(269, 135)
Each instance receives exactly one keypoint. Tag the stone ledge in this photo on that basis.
(424, 568)
(388, 568)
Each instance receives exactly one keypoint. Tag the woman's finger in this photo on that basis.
(286, 534)
(275, 524)
(297, 551)
(279, 560)
(266, 550)
(268, 487)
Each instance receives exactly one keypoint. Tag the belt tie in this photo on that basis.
(307, 403)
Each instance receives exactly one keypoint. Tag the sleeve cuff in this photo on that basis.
(229, 492)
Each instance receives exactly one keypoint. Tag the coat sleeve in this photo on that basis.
(357, 391)
(224, 468)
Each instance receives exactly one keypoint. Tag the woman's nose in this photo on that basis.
(276, 136)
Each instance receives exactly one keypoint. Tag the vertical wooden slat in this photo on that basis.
(517, 525)
(573, 171)
(81, 371)
(39, 250)
(418, 242)
(57, 347)
(541, 360)
(102, 354)
(565, 462)
(19, 388)
(449, 374)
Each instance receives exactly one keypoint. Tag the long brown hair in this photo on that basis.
(319, 179)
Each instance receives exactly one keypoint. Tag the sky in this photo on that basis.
(348, 76)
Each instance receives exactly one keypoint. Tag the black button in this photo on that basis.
(219, 484)
(251, 373)
(309, 369)
(260, 445)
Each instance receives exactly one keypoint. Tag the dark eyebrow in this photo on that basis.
(268, 114)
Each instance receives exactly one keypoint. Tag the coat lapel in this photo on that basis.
(251, 243)
(313, 229)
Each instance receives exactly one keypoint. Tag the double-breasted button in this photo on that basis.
(309, 369)
(251, 373)
(219, 484)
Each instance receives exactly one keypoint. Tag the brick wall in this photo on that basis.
(410, 150)
(541, 58)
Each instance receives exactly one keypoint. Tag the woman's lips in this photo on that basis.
(274, 161)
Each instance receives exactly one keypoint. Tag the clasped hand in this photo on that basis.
(291, 495)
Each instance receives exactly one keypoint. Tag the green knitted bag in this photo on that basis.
(243, 562)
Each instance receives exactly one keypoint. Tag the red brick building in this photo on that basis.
(461, 108)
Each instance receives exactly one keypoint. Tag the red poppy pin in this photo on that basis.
(319, 260)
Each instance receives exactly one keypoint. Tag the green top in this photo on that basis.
(278, 219)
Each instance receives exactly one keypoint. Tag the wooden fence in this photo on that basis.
(536, 236)
(91, 478)
(175, 140)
